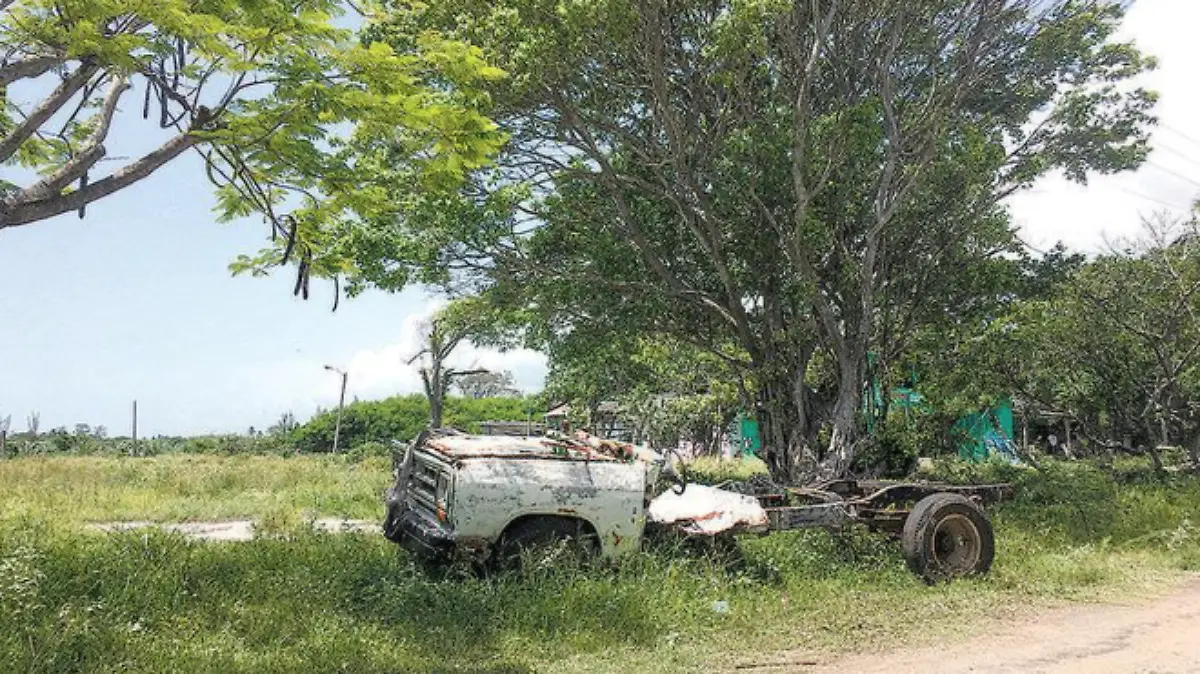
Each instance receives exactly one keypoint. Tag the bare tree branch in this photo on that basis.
(12, 215)
(58, 98)
(86, 158)
(34, 66)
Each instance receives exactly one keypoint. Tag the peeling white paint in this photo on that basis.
(490, 493)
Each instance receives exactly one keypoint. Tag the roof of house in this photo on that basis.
(559, 410)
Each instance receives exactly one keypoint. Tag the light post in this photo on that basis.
(337, 428)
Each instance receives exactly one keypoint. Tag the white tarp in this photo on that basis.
(707, 510)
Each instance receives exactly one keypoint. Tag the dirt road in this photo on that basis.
(1160, 636)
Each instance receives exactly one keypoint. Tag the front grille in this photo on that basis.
(422, 486)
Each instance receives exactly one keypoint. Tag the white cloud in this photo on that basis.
(256, 394)
(1110, 207)
(381, 371)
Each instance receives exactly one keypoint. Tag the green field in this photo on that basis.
(187, 487)
(73, 600)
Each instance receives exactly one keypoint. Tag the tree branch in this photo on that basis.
(58, 98)
(29, 68)
(12, 215)
(86, 158)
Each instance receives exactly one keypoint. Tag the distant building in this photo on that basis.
(605, 421)
(518, 428)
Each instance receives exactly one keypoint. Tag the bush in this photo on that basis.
(715, 470)
(370, 450)
(230, 445)
(893, 449)
(402, 418)
(87, 445)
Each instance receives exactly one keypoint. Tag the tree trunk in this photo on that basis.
(792, 416)
(1194, 451)
(435, 411)
(788, 420)
(435, 391)
(1152, 448)
(843, 438)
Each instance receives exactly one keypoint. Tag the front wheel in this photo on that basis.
(948, 536)
(392, 518)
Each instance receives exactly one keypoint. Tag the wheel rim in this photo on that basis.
(957, 545)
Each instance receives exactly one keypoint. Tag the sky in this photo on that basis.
(136, 301)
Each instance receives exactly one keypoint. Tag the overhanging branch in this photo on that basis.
(23, 213)
(57, 98)
(29, 68)
(86, 158)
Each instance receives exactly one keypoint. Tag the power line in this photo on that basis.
(1157, 201)
(1173, 172)
(1177, 153)
(1179, 133)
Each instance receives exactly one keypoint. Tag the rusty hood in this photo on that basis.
(456, 446)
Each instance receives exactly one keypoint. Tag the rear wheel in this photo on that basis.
(546, 542)
(948, 536)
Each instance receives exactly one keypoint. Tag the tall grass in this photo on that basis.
(183, 487)
(150, 602)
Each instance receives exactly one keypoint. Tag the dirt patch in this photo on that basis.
(1160, 637)
(236, 530)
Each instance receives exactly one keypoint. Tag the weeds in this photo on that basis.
(306, 601)
(186, 487)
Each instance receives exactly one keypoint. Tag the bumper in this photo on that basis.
(423, 536)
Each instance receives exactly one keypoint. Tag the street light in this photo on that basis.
(337, 428)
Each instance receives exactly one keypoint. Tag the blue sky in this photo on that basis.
(136, 300)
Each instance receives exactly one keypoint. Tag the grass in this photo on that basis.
(715, 469)
(149, 602)
(186, 487)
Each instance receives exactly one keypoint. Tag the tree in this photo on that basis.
(1116, 348)
(487, 384)
(668, 391)
(33, 422)
(296, 121)
(789, 186)
(951, 355)
(285, 425)
(440, 336)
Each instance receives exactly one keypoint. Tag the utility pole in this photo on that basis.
(337, 428)
(135, 447)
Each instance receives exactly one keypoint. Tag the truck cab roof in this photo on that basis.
(457, 446)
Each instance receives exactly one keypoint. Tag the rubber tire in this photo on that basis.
(920, 529)
(538, 534)
(391, 519)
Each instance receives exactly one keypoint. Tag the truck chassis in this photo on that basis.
(944, 529)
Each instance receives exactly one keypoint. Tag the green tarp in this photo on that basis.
(987, 433)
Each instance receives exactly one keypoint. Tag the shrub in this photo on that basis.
(402, 418)
(369, 450)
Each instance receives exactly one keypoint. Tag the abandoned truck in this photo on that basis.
(488, 499)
